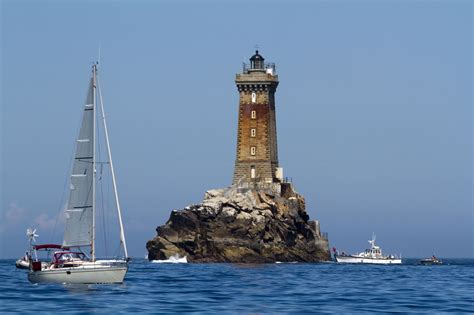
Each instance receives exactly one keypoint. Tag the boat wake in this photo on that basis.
(175, 259)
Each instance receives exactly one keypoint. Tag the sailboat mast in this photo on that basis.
(94, 85)
(114, 183)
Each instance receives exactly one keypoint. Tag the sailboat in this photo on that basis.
(69, 262)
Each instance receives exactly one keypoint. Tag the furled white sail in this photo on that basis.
(79, 212)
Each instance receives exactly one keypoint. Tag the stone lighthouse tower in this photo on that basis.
(257, 155)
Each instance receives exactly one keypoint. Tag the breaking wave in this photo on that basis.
(175, 259)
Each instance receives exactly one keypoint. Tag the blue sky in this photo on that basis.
(374, 111)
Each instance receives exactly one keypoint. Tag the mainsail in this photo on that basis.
(79, 212)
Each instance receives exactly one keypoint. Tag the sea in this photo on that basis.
(287, 288)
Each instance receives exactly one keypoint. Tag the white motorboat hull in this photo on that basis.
(430, 262)
(365, 260)
(22, 264)
(100, 272)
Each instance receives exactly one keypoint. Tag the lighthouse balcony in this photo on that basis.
(252, 78)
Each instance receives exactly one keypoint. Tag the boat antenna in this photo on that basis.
(98, 56)
(372, 241)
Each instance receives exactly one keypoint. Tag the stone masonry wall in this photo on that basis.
(263, 122)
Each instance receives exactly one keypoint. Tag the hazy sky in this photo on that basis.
(374, 111)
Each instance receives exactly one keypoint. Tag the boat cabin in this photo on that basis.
(67, 258)
(374, 251)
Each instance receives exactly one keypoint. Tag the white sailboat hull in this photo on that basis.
(366, 260)
(100, 272)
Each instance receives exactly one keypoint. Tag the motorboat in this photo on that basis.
(23, 262)
(433, 260)
(372, 255)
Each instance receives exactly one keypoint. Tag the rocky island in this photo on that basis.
(241, 226)
(260, 218)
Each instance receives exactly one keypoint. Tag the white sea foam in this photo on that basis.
(175, 259)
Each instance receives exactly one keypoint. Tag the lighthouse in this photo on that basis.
(256, 159)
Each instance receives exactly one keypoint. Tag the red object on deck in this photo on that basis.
(36, 265)
(47, 246)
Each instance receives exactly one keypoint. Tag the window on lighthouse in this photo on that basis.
(252, 150)
(253, 132)
(253, 114)
(254, 97)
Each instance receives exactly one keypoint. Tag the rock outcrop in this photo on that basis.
(249, 226)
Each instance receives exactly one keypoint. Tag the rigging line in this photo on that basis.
(108, 194)
(117, 203)
(103, 214)
(108, 204)
(117, 250)
(101, 187)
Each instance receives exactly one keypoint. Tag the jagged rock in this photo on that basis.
(241, 227)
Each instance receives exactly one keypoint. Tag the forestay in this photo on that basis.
(79, 212)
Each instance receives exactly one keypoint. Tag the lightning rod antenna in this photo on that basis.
(98, 57)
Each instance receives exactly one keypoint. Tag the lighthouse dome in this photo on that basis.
(256, 61)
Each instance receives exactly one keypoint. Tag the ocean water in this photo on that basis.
(268, 288)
